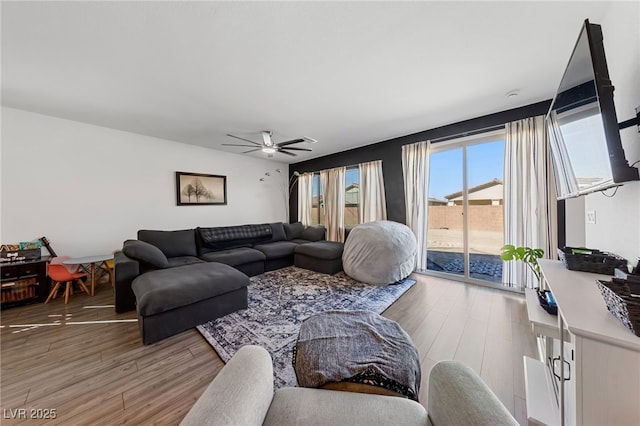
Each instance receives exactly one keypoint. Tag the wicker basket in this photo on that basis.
(621, 304)
(597, 261)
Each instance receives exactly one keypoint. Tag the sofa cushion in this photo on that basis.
(230, 246)
(277, 250)
(145, 252)
(293, 230)
(224, 237)
(321, 249)
(172, 243)
(166, 289)
(305, 406)
(183, 260)
(278, 232)
(300, 241)
(313, 233)
(234, 257)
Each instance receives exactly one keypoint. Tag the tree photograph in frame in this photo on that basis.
(196, 189)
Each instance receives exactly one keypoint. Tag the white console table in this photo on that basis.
(601, 384)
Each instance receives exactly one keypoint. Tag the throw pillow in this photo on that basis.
(145, 252)
(278, 232)
(171, 243)
(313, 233)
(293, 230)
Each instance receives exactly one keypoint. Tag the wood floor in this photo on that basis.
(91, 368)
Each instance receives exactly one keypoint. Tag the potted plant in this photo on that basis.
(528, 255)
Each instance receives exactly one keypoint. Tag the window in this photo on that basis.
(351, 196)
(316, 201)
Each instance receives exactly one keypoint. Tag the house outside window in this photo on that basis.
(351, 198)
(316, 202)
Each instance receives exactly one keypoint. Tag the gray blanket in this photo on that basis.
(356, 346)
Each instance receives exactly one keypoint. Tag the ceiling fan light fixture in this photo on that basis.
(266, 138)
(269, 147)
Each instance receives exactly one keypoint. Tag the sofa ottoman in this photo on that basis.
(357, 351)
(320, 256)
(170, 301)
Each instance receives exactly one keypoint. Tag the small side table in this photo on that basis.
(92, 261)
(23, 282)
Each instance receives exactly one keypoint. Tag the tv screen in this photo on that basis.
(582, 124)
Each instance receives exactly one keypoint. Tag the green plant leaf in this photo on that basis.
(507, 251)
(528, 255)
(506, 256)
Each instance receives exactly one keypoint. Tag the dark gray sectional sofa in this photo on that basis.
(251, 249)
(176, 280)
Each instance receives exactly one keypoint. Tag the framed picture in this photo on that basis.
(195, 189)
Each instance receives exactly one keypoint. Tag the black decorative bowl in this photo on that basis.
(553, 310)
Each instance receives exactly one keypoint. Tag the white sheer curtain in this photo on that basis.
(530, 214)
(333, 187)
(415, 169)
(372, 202)
(305, 198)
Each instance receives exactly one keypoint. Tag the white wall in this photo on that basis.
(617, 227)
(88, 188)
(575, 223)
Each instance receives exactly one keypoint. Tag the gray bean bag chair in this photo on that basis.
(380, 253)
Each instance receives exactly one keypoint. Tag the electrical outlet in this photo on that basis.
(591, 216)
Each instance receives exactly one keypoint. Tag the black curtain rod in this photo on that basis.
(468, 133)
(436, 140)
(350, 166)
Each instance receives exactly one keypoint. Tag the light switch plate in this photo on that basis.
(591, 216)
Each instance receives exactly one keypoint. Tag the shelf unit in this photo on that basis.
(23, 282)
(598, 374)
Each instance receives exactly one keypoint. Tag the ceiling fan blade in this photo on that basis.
(286, 152)
(291, 142)
(252, 150)
(233, 144)
(243, 139)
(297, 149)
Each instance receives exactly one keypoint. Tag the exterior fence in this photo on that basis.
(350, 216)
(481, 218)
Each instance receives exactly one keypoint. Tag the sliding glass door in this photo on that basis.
(445, 227)
(465, 214)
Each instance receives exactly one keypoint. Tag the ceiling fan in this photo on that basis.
(269, 147)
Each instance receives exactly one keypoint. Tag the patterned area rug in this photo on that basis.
(278, 303)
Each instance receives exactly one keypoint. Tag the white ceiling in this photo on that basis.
(345, 73)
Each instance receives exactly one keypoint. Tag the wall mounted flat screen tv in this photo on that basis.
(583, 130)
